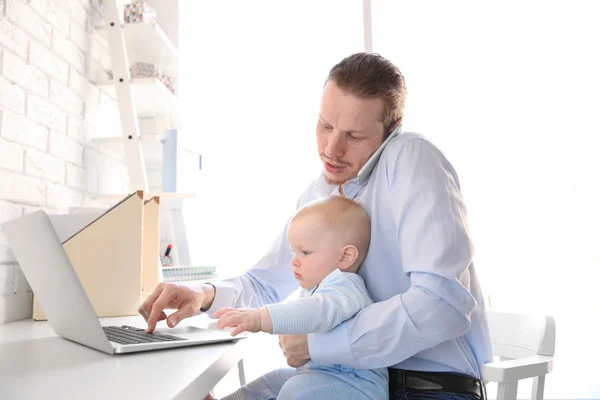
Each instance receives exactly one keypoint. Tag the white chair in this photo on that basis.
(525, 345)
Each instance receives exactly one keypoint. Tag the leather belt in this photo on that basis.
(423, 381)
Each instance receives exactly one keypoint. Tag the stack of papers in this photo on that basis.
(172, 274)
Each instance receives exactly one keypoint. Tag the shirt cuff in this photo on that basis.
(331, 347)
(215, 295)
(224, 295)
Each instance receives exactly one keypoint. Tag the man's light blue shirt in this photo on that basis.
(429, 313)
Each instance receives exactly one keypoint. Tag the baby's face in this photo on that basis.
(316, 251)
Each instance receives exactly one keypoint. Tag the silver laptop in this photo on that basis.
(54, 281)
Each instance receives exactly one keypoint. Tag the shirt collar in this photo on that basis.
(351, 188)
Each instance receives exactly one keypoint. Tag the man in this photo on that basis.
(428, 321)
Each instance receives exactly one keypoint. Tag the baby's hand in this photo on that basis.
(242, 319)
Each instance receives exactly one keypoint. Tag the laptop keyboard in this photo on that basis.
(130, 335)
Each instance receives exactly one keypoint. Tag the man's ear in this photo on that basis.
(348, 255)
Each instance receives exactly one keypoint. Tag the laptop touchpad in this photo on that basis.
(193, 332)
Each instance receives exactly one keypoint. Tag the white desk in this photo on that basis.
(37, 364)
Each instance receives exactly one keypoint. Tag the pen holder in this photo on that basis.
(166, 261)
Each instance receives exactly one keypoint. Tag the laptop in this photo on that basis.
(68, 309)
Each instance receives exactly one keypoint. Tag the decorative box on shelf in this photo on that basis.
(168, 81)
(139, 13)
(144, 70)
(173, 274)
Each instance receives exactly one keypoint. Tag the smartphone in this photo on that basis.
(365, 171)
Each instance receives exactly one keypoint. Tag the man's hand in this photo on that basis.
(170, 296)
(295, 349)
(242, 319)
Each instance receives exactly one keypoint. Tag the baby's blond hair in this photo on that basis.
(346, 218)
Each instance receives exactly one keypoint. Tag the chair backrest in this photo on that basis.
(518, 336)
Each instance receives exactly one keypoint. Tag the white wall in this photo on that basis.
(50, 110)
(509, 91)
(251, 90)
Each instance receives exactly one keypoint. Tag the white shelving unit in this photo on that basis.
(149, 43)
(146, 98)
(151, 97)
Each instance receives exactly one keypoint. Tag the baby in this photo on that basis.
(329, 239)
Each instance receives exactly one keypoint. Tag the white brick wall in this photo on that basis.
(42, 165)
(66, 148)
(18, 128)
(24, 75)
(99, 52)
(76, 176)
(77, 11)
(61, 197)
(50, 111)
(11, 96)
(21, 189)
(9, 211)
(66, 98)
(53, 13)
(11, 156)
(79, 36)
(63, 46)
(44, 113)
(19, 13)
(13, 38)
(41, 57)
(79, 84)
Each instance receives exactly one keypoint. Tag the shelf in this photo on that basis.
(119, 139)
(172, 195)
(151, 97)
(149, 43)
(162, 195)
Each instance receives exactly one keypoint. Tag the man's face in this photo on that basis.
(349, 131)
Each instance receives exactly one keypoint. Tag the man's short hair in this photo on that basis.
(370, 75)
